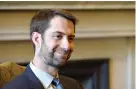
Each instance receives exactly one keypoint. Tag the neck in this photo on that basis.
(39, 63)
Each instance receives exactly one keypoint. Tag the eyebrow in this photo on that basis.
(63, 33)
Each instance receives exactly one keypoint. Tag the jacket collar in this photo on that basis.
(33, 81)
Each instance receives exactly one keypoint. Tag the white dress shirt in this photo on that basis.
(43, 77)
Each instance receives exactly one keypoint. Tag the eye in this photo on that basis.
(71, 38)
(57, 36)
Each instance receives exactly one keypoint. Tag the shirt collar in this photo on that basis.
(44, 77)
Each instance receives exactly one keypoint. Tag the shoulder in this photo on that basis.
(71, 82)
(19, 82)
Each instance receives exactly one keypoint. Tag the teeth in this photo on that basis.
(62, 54)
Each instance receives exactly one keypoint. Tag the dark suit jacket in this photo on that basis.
(28, 80)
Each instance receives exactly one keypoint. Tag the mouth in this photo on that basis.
(62, 55)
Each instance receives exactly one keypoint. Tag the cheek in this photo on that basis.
(51, 45)
(48, 42)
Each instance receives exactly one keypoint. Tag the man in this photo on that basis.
(52, 33)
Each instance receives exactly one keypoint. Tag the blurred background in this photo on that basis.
(104, 38)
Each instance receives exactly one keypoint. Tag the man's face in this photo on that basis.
(57, 43)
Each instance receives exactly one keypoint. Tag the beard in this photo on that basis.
(56, 57)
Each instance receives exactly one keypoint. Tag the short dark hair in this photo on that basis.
(40, 21)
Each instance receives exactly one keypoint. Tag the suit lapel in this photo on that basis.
(33, 81)
(63, 82)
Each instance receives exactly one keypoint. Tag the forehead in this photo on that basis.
(61, 24)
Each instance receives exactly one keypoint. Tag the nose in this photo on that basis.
(65, 44)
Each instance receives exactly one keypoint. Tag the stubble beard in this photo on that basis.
(50, 59)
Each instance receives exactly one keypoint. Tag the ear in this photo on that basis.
(36, 38)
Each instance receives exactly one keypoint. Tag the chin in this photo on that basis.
(59, 65)
(62, 62)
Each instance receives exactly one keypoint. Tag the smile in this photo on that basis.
(62, 54)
